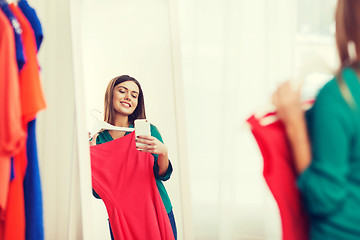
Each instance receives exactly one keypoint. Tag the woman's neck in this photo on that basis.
(121, 121)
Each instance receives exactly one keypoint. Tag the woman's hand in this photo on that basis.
(92, 141)
(153, 145)
(288, 104)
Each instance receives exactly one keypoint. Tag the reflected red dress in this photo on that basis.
(124, 179)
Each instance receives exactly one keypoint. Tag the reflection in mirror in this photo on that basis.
(128, 170)
(137, 43)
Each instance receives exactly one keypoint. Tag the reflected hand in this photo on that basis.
(92, 141)
(152, 145)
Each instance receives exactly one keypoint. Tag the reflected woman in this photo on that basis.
(326, 148)
(124, 103)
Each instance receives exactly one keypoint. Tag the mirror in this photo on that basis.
(134, 38)
(230, 62)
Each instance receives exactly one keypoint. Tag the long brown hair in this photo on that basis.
(347, 18)
(139, 112)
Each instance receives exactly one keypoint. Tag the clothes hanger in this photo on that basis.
(102, 125)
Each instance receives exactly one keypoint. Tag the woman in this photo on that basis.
(124, 102)
(327, 150)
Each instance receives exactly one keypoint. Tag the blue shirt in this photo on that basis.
(32, 17)
(32, 189)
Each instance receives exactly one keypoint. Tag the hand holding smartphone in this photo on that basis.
(142, 127)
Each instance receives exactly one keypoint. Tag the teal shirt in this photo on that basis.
(105, 136)
(330, 186)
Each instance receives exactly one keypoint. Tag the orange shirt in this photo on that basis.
(31, 92)
(12, 134)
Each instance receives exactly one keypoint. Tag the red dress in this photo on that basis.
(124, 179)
(280, 176)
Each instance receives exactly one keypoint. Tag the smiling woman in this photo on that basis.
(125, 96)
(124, 103)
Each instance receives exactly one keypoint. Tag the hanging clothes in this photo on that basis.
(20, 57)
(12, 134)
(31, 92)
(280, 176)
(32, 189)
(32, 17)
(32, 101)
(124, 179)
(32, 181)
(12, 171)
(14, 227)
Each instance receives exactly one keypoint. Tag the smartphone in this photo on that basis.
(142, 127)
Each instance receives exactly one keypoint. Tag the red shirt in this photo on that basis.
(12, 134)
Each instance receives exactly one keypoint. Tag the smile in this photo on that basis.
(125, 104)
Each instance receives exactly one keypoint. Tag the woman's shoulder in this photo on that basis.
(332, 87)
(333, 99)
(347, 79)
(103, 137)
(153, 127)
(104, 133)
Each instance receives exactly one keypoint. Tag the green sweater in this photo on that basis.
(105, 136)
(330, 186)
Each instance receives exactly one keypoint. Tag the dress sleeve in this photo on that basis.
(155, 133)
(323, 183)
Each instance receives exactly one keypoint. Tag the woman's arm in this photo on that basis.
(154, 146)
(288, 104)
(300, 144)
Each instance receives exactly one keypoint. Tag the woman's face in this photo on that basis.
(125, 98)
